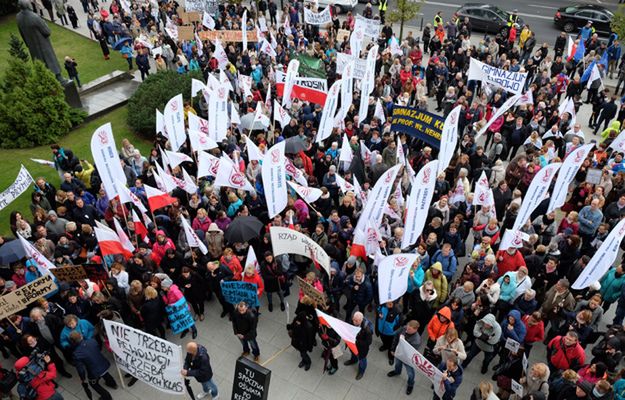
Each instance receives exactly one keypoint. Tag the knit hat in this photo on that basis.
(352, 260)
(166, 283)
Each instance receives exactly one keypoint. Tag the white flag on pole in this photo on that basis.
(536, 193)
(274, 179)
(449, 139)
(192, 238)
(567, 173)
(419, 203)
(393, 276)
(174, 122)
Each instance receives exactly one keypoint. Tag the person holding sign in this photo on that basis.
(251, 276)
(244, 322)
(171, 296)
(197, 364)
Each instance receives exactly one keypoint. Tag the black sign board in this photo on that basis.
(251, 381)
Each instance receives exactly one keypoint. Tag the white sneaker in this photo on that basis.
(215, 397)
(201, 395)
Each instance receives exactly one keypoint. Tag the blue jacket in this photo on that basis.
(89, 361)
(83, 326)
(451, 387)
(199, 366)
(507, 291)
(364, 293)
(589, 220)
(612, 286)
(614, 52)
(517, 332)
(417, 279)
(619, 389)
(450, 263)
(387, 320)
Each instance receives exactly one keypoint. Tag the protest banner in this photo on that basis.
(180, 318)
(393, 276)
(148, 358)
(106, 159)
(95, 272)
(312, 292)
(412, 358)
(368, 27)
(194, 16)
(18, 300)
(251, 381)
(289, 241)
(314, 90)
(342, 34)
(321, 18)
(19, 186)
(69, 274)
(235, 292)
(511, 81)
(185, 33)
(418, 123)
(227, 36)
(360, 65)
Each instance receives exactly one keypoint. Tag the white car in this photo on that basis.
(341, 6)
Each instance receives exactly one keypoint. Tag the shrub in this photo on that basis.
(33, 110)
(154, 93)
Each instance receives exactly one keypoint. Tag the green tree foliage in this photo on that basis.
(33, 110)
(17, 49)
(618, 22)
(154, 93)
(406, 10)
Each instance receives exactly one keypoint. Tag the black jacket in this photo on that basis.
(199, 366)
(245, 324)
(153, 313)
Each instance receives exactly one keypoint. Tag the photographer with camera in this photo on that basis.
(36, 378)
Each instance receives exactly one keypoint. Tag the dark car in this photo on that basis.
(573, 18)
(486, 17)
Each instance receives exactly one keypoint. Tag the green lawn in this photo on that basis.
(87, 52)
(78, 140)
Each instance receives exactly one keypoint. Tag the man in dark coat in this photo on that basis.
(90, 363)
(363, 342)
(215, 275)
(608, 111)
(197, 364)
(244, 322)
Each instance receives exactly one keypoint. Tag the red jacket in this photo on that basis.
(255, 279)
(534, 333)
(563, 357)
(509, 263)
(235, 266)
(436, 328)
(42, 383)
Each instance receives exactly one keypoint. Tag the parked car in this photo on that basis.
(340, 6)
(572, 18)
(486, 17)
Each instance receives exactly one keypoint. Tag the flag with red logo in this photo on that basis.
(192, 238)
(393, 276)
(310, 195)
(412, 358)
(378, 197)
(567, 173)
(419, 203)
(208, 164)
(106, 159)
(536, 193)
(229, 175)
(43, 264)
(274, 179)
(174, 122)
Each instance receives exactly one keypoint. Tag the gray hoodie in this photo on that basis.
(487, 337)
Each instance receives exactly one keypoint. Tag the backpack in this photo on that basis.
(25, 390)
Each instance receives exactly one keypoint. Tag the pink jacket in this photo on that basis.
(173, 295)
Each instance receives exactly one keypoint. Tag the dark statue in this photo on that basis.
(36, 35)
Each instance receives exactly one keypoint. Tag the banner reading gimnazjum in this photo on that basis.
(418, 123)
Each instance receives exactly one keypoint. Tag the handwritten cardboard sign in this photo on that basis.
(69, 274)
(227, 36)
(18, 300)
(312, 292)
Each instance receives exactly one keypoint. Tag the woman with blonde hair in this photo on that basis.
(449, 345)
(537, 380)
(153, 311)
(484, 391)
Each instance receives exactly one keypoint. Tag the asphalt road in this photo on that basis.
(538, 13)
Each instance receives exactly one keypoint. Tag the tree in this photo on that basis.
(406, 10)
(153, 94)
(618, 22)
(33, 112)
(16, 48)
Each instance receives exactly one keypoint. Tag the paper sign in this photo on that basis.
(312, 292)
(185, 33)
(18, 300)
(517, 387)
(235, 292)
(227, 36)
(341, 35)
(512, 345)
(180, 318)
(148, 358)
(69, 274)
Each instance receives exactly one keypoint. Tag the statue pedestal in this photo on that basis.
(71, 94)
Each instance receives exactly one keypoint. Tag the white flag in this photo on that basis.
(208, 165)
(244, 29)
(343, 184)
(201, 141)
(123, 238)
(412, 358)
(260, 117)
(513, 239)
(618, 144)
(379, 112)
(106, 159)
(280, 114)
(536, 193)
(419, 203)
(395, 49)
(603, 258)
(43, 264)
(167, 180)
(220, 55)
(295, 173)
(274, 179)
(218, 111)
(567, 173)
(160, 124)
(234, 115)
(245, 85)
(291, 75)
(208, 21)
(266, 48)
(196, 86)
(526, 98)
(174, 159)
(346, 154)
(372, 211)
(229, 175)
(174, 122)
(126, 196)
(500, 111)
(251, 259)
(192, 239)
(326, 124)
(253, 152)
(393, 276)
(310, 195)
(568, 107)
(449, 139)
(347, 89)
(188, 184)
(482, 188)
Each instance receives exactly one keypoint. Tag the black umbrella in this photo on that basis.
(295, 144)
(11, 252)
(242, 229)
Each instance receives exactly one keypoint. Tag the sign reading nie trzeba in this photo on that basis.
(251, 381)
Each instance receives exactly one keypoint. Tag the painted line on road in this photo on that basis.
(435, 3)
(539, 6)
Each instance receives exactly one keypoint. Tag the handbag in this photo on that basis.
(8, 380)
(337, 352)
(432, 357)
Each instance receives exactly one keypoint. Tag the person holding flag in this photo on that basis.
(364, 338)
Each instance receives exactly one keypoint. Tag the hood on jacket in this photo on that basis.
(437, 266)
(490, 320)
(445, 312)
(516, 315)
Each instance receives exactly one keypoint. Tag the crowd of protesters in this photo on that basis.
(467, 294)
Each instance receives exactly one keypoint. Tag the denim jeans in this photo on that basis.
(250, 343)
(210, 387)
(362, 363)
(409, 371)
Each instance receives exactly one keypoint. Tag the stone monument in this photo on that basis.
(36, 35)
